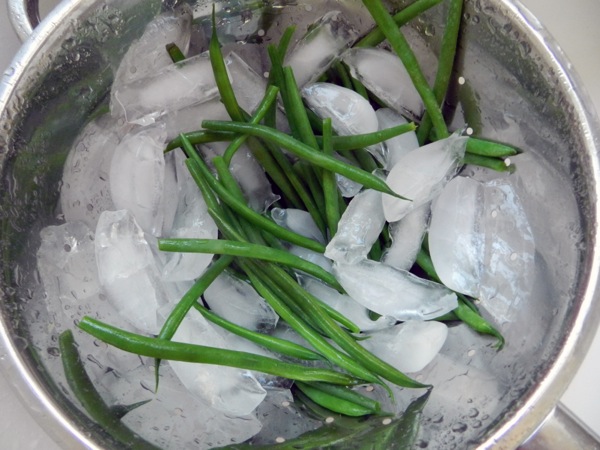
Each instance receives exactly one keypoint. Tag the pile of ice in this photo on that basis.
(120, 193)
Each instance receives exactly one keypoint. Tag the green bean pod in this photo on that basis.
(177, 351)
(333, 402)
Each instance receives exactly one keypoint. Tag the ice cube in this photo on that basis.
(347, 187)
(147, 55)
(384, 75)
(358, 228)
(298, 221)
(350, 112)
(190, 118)
(399, 146)
(346, 305)
(249, 86)
(392, 292)
(174, 87)
(480, 240)
(317, 50)
(238, 302)
(137, 174)
(408, 346)
(455, 239)
(191, 220)
(314, 257)
(85, 190)
(127, 270)
(407, 236)
(421, 174)
(233, 391)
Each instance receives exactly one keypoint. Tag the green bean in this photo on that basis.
(262, 109)
(340, 337)
(445, 64)
(485, 147)
(305, 152)
(191, 297)
(347, 394)
(201, 137)
(359, 141)
(295, 109)
(272, 343)
(399, 44)
(497, 164)
(305, 172)
(342, 72)
(330, 191)
(334, 403)
(177, 351)
(319, 343)
(221, 77)
(249, 214)
(376, 36)
(359, 88)
(175, 53)
(90, 399)
(247, 250)
(288, 296)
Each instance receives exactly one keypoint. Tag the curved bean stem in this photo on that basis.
(177, 351)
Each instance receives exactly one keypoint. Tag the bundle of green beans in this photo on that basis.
(251, 244)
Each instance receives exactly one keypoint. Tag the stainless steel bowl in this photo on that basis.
(525, 95)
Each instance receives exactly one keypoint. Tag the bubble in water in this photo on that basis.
(473, 412)
(459, 427)
(53, 351)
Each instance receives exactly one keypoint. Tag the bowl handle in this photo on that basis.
(562, 431)
(24, 16)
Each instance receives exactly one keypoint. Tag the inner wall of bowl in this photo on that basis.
(512, 93)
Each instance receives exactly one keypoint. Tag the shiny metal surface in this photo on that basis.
(24, 16)
(566, 344)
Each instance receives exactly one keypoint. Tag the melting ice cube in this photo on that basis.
(298, 221)
(317, 50)
(399, 146)
(238, 302)
(384, 75)
(137, 175)
(396, 293)
(408, 346)
(407, 236)
(147, 54)
(127, 270)
(358, 228)
(421, 174)
(480, 240)
(174, 87)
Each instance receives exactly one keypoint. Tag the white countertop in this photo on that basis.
(573, 24)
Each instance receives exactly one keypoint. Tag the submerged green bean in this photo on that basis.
(333, 402)
(177, 351)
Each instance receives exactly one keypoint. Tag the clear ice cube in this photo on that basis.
(298, 221)
(384, 75)
(407, 236)
(397, 147)
(174, 87)
(316, 51)
(137, 175)
(408, 346)
(238, 302)
(421, 174)
(127, 270)
(392, 292)
(358, 228)
(147, 54)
